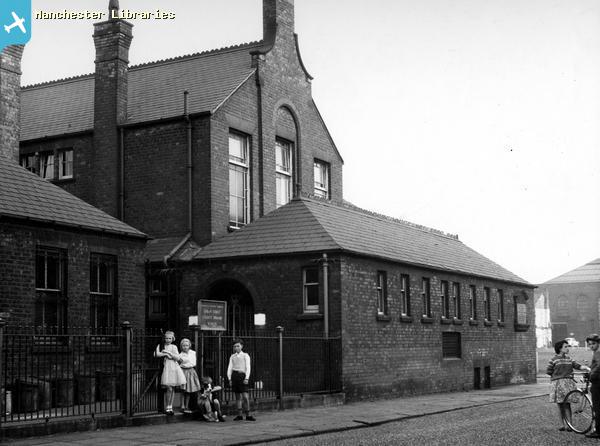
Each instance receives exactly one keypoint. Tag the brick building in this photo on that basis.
(573, 299)
(63, 261)
(213, 155)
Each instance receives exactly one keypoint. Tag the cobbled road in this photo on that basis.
(531, 421)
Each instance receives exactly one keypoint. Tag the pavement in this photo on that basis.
(280, 425)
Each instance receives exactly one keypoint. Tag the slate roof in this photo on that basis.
(308, 225)
(588, 273)
(25, 195)
(155, 91)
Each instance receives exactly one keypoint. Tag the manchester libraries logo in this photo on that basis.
(15, 22)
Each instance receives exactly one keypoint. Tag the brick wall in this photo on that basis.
(10, 100)
(400, 357)
(18, 244)
(112, 40)
(83, 182)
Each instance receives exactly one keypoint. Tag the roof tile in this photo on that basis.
(24, 195)
(306, 225)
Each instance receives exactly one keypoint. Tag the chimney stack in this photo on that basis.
(10, 101)
(112, 40)
(278, 18)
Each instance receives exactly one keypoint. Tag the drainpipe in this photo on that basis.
(259, 105)
(189, 161)
(325, 264)
(122, 175)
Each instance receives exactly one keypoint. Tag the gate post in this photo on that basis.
(280, 390)
(3, 401)
(126, 398)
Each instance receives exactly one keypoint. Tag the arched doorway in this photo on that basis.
(240, 307)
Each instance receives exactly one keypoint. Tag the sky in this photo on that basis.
(475, 117)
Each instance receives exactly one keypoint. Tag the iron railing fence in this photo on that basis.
(78, 371)
(55, 373)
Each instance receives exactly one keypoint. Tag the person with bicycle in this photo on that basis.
(593, 343)
(560, 368)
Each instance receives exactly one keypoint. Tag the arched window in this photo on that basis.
(583, 308)
(562, 307)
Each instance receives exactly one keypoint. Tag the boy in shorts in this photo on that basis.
(238, 373)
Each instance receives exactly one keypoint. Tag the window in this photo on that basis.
(321, 173)
(456, 300)
(310, 280)
(157, 298)
(426, 297)
(65, 164)
(487, 305)
(445, 299)
(29, 162)
(405, 295)
(473, 302)
(500, 306)
(451, 345)
(381, 285)
(103, 284)
(47, 165)
(283, 171)
(51, 290)
(238, 180)
(562, 307)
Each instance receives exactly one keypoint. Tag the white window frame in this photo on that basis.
(283, 172)
(426, 296)
(65, 164)
(473, 302)
(405, 294)
(500, 305)
(239, 165)
(487, 304)
(305, 286)
(445, 292)
(47, 165)
(456, 300)
(321, 179)
(381, 286)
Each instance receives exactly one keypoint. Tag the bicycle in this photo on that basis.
(582, 414)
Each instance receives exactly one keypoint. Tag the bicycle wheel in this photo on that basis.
(582, 416)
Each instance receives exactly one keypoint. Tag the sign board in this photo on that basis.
(212, 315)
(522, 314)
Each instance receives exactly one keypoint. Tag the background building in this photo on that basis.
(573, 299)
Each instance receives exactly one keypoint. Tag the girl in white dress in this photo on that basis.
(172, 375)
(187, 362)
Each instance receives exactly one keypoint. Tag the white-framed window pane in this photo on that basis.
(283, 184)
(47, 166)
(321, 179)
(238, 180)
(29, 162)
(381, 292)
(238, 148)
(310, 279)
(238, 195)
(283, 158)
(65, 164)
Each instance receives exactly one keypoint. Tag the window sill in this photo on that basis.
(406, 318)
(63, 180)
(521, 327)
(501, 324)
(445, 321)
(383, 318)
(309, 316)
(427, 320)
(457, 321)
(473, 322)
(488, 323)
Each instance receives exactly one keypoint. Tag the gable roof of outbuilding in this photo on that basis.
(588, 273)
(155, 91)
(26, 196)
(308, 225)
